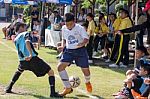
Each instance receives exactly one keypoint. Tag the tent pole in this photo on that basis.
(136, 22)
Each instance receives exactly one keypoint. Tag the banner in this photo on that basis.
(7, 1)
(69, 2)
(52, 1)
(1, 1)
(22, 2)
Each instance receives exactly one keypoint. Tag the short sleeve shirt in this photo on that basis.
(74, 37)
(91, 27)
(20, 43)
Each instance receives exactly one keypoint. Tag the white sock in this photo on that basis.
(64, 76)
(87, 79)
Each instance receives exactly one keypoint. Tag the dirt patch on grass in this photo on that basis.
(15, 91)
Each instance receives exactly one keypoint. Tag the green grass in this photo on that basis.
(105, 81)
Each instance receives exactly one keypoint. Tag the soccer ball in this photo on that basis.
(74, 81)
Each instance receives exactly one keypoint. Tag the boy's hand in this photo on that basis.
(119, 32)
(80, 45)
(147, 81)
(28, 58)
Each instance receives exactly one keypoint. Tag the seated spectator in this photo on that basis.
(141, 53)
(8, 31)
(140, 87)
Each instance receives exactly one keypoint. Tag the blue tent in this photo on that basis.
(1, 1)
(68, 2)
(21, 2)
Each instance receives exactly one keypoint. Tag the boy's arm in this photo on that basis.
(85, 41)
(85, 36)
(28, 41)
(29, 49)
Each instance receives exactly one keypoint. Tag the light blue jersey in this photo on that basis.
(20, 43)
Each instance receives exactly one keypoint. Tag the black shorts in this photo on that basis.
(36, 65)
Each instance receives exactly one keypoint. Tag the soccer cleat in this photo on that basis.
(66, 91)
(8, 90)
(56, 95)
(89, 87)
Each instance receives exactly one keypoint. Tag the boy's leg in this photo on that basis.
(51, 79)
(86, 73)
(64, 77)
(14, 79)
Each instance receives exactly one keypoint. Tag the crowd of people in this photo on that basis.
(83, 41)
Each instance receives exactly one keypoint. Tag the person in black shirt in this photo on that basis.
(34, 16)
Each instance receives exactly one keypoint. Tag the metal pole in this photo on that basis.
(13, 12)
(136, 22)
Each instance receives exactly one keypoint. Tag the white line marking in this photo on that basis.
(79, 90)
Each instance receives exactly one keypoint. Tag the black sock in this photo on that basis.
(52, 84)
(14, 79)
(130, 93)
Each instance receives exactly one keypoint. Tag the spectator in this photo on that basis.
(97, 37)
(123, 55)
(141, 26)
(115, 48)
(141, 19)
(90, 31)
(20, 19)
(110, 37)
(81, 16)
(10, 29)
(34, 15)
(103, 31)
(141, 54)
(136, 85)
(57, 18)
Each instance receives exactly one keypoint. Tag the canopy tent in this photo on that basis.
(1, 1)
(68, 2)
(21, 2)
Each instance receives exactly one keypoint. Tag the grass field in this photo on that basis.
(105, 81)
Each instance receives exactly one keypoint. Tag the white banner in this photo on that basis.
(7, 1)
(53, 1)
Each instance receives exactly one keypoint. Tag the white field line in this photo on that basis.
(79, 90)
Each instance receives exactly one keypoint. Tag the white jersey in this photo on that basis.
(74, 36)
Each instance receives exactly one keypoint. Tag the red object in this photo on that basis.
(147, 6)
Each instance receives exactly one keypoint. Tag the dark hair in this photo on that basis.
(85, 24)
(146, 66)
(143, 49)
(55, 11)
(69, 17)
(126, 12)
(18, 25)
(113, 14)
(90, 15)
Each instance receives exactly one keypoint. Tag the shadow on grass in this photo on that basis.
(52, 53)
(101, 63)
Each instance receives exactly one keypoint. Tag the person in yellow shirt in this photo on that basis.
(116, 44)
(103, 31)
(97, 37)
(90, 31)
(123, 55)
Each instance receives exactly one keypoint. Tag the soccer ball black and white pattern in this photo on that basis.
(74, 81)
